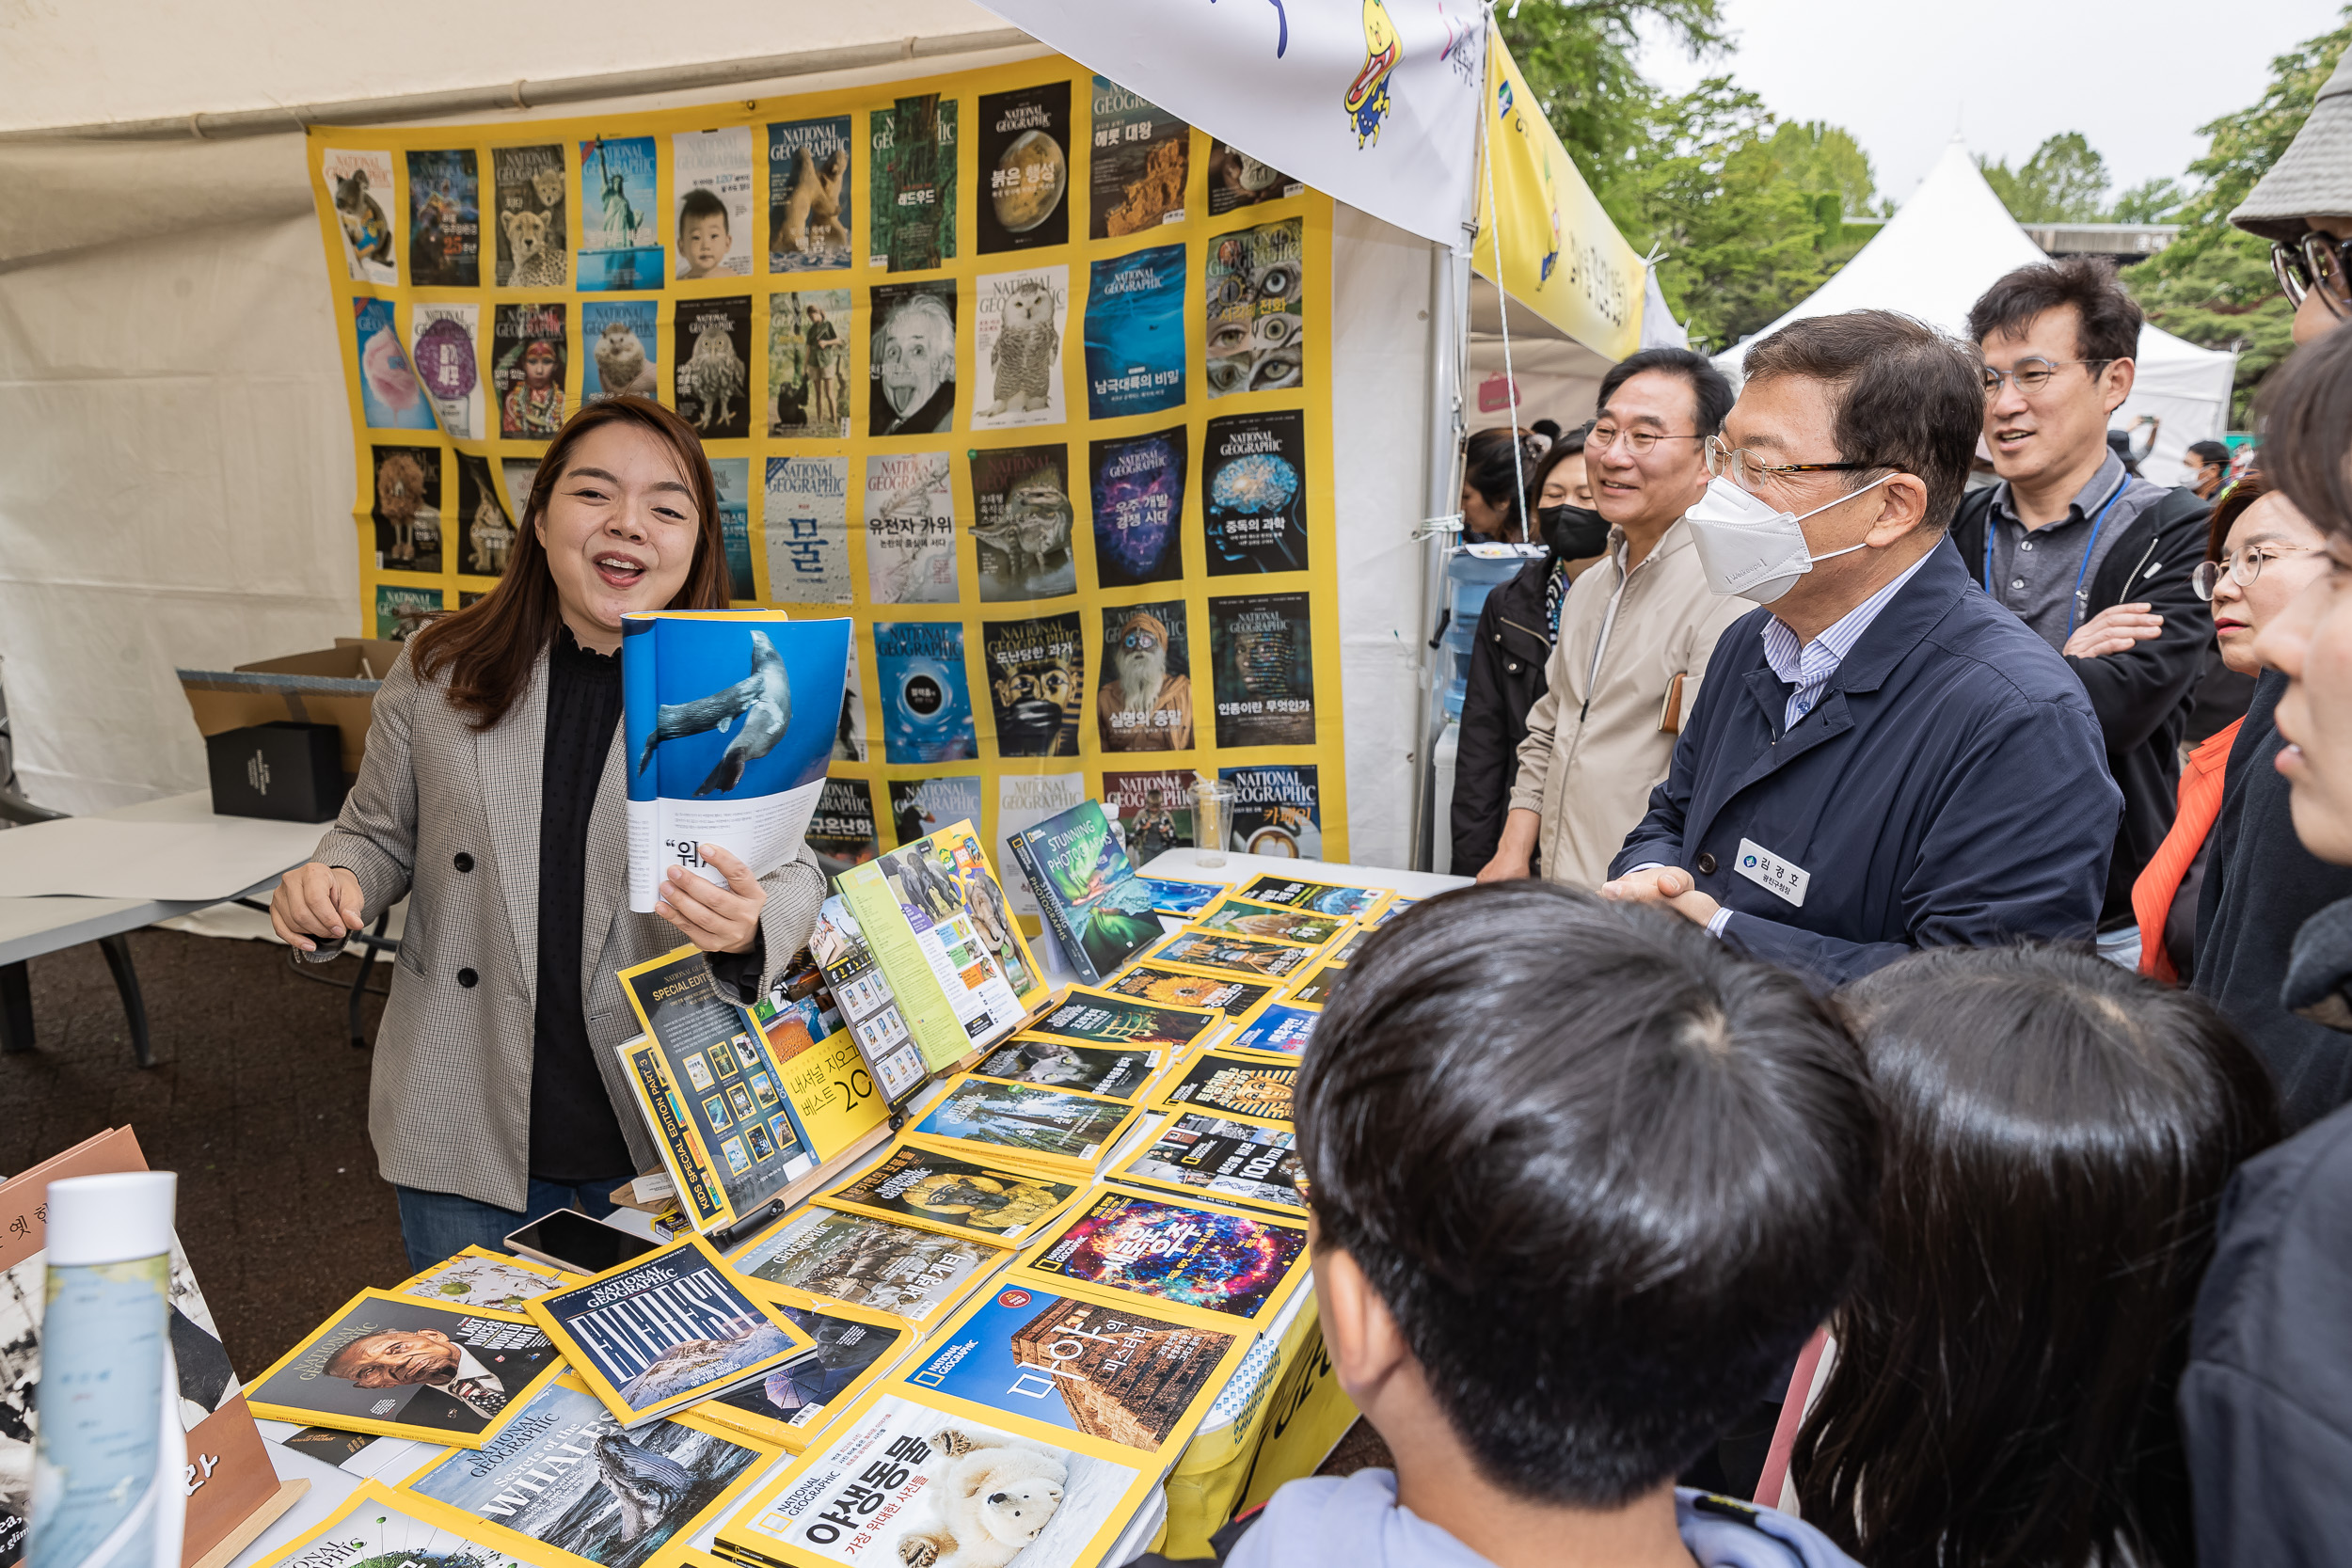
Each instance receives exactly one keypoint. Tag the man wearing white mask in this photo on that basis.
(1882, 759)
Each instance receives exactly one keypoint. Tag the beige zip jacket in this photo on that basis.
(1595, 749)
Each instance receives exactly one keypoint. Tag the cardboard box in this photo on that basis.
(284, 772)
(331, 685)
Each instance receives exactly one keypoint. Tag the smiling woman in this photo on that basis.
(493, 796)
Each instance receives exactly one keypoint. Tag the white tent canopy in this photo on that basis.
(1948, 244)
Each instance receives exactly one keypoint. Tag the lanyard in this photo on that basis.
(2074, 606)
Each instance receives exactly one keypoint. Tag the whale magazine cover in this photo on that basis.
(1076, 867)
(399, 1367)
(909, 1476)
(566, 1475)
(867, 1262)
(727, 722)
(1019, 322)
(1099, 1367)
(1057, 1133)
(1141, 165)
(664, 1331)
(1240, 1161)
(1134, 333)
(1199, 1262)
(855, 1347)
(1253, 493)
(940, 1193)
(812, 190)
(1116, 1072)
(1232, 1085)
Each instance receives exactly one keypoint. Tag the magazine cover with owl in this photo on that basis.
(1018, 322)
(727, 721)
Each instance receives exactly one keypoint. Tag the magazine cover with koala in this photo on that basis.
(905, 1482)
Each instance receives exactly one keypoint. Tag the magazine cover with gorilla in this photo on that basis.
(728, 719)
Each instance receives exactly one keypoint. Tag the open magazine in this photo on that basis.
(728, 717)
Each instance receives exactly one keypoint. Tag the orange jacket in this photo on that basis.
(2201, 802)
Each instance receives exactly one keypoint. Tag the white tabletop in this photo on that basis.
(1184, 865)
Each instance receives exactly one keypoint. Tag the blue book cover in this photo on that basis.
(1134, 333)
(1078, 871)
(620, 227)
(926, 696)
(391, 397)
(727, 716)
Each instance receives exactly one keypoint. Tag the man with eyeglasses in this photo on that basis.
(1882, 759)
(2303, 207)
(1636, 631)
(2094, 559)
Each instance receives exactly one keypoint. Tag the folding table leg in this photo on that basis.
(16, 1008)
(117, 951)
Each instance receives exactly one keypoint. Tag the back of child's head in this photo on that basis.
(1605, 1176)
(2058, 1131)
(700, 203)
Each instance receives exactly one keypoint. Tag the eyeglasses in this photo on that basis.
(2314, 259)
(1748, 472)
(1603, 436)
(2243, 569)
(2031, 374)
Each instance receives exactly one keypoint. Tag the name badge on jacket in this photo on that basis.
(1782, 879)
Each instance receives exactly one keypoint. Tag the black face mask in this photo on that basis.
(1573, 532)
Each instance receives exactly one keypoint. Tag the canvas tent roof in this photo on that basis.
(1950, 241)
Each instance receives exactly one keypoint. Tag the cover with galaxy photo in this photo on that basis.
(1253, 493)
(926, 699)
(623, 338)
(444, 219)
(1024, 520)
(620, 228)
(1036, 683)
(1138, 493)
(1134, 333)
(486, 532)
(1255, 313)
(403, 1368)
(807, 521)
(1236, 179)
(931, 1190)
(1277, 811)
(1264, 652)
(530, 350)
(1025, 158)
(534, 246)
(391, 397)
(1141, 165)
(912, 179)
(408, 510)
(1240, 1161)
(712, 354)
(810, 195)
(910, 515)
(1232, 1085)
(1203, 1263)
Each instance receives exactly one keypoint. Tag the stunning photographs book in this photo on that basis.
(1055, 1133)
(1245, 917)
(1364, 903)
(403, 1368)
(1085, 1017)
(1198, 1262)
(1240, 1161)
(480, 1277)
(937, 1192)
(727, 720)
(566, 1475)
(934, 916)
(1116, 1072)
(790, 1406)
(665, 1331)
(1098, 1367)
(1232, 955)
(867, 1262)
(1234, 1087)
(1071, 862)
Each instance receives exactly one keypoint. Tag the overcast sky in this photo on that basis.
(2136, 80)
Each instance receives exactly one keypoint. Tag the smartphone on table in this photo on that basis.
(570, 1240)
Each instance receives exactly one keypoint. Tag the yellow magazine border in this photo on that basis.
(1234, 1020)
(529, 1265)
(1213, 1019)
(375, 1492)
(1083, 1166)
(1343, 924)
(783, 1436)
(1245, 1059)
(831, 1200)
(1030, 1273)
(1382, 897)
(773, 1292)
(1124, 1174)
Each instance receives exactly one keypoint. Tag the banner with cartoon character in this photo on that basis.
(1016, 369)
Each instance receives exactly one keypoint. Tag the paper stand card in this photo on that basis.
(403, 1368)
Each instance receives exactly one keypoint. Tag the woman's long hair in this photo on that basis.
(2058, 1132)
(489, 647)
(1493, 463)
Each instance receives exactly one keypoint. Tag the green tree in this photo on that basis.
(2064, 181)
(1578, 56)
(2150, 202)
(2213, 284)
(1825, 158)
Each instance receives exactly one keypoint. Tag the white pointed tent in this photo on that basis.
(1947, 244)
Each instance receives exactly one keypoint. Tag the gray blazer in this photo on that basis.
(450, 815)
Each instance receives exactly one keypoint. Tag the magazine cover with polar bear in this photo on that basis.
(727, 717)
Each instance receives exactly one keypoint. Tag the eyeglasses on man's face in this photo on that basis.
(2030, 375)
(1604, 436)
(2314, 261)
(2244, 567)
(1747, 470)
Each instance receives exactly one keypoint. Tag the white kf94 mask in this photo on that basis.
(1747, 548)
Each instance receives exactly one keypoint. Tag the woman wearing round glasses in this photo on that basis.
(2303, 207)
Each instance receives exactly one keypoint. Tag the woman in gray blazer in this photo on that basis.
(494, 795)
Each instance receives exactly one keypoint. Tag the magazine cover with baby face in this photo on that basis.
(404, 1368)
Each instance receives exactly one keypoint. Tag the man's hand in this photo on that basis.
(314, 901)
(715, 919)
(2112, 630)
(1669, 886)
(1517, 848)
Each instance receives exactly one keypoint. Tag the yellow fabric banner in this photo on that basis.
(1562, 256)
(1023, 374)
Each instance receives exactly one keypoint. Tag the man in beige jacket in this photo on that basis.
(1635, 630)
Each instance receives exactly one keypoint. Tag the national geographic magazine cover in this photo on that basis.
(1018, 323)
(384, 1528)
(1055, 1133)
(812, 195)
(909, 514)
(1152, 809)
(1277, 811)
(936, 1192)
(1314, 988)
(1280, 1030)
(1227, 954)
(1025, 158)
(1141, 167)
(360, 185)
(912, 182)
(1093, 1017)
(926, 696)
(1240, 1161)
(1134, 333)
(1195, 1261)
(868, 1011)
(480, 1277)
(566, 1475)
(620, 230)
(710, 185)
(935, 917)
(665, 1330)
(1253, 493)
(1021, 522)
(533, 241)
(1138, 488)
(1262, 650)
(1255, 314)
(1363, 903)
(728, 719)
(403, 1368)
(1231, 1086)
(1022, 801)
(1245, 917)
(445, 219)
(1095, 1366)
(1116, 1073)
(1237, 998)
(855, 1347)
(909, 1476)
(842, 833)
(1036, 683)
(867, 1262)
(1071, 862)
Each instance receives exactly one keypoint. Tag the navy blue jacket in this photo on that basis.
(1950, 788)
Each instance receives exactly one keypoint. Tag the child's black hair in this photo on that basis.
(1606, 1176)
(702, 202)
